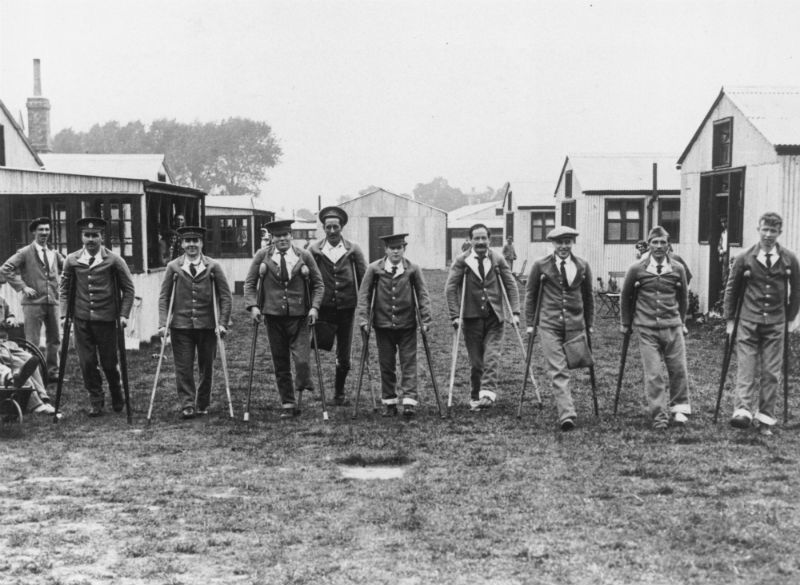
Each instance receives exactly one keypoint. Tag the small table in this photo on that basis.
(610, 304)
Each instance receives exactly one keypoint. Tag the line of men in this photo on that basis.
(330, 286)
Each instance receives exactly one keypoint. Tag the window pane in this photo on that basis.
(632, 213)
(632, 231)
(614, 232)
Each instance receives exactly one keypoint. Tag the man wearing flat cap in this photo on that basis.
(342, 265)
(290, 297)
(561, 283)
(103, 294)
(395, 280)
(484, 274)
(34, 271)
(194, 279)
(654, 298)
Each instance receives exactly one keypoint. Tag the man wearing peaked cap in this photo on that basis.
(95, 271)
(287, 309)
(485, 275)
(35, 271)
(194, 279)
(394, 280)
(342, 265)
(566, 311)
(659, 314)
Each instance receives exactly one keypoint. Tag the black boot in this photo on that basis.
(389, 411)
(339, 398)
(25, 372)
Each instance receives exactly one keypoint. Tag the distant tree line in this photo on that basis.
(440, 194)
(230, 157)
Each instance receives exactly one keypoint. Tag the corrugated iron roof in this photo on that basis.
(774, 111)
(623, 172)
(478, 209)
(236, 202)
(537, 193)
(123, 166)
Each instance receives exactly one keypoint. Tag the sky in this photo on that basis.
(395, 93)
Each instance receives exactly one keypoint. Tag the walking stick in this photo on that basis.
(221, 343)
(427, 347)
(529, 352)
(369, 369)
(515, 326)
(626, 341)
(304, 271)
(456, 335)
(592, 377)
(786, 277)
(729, 341)
(123, 354)
(262, 270)
(168, 322)
(365, 345)
(62, 362)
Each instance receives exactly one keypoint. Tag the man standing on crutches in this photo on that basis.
(659, 315)
(97, 277)
(566, 314)
(767, 307)
(478, 277)
(283, 303)
(396, 283)
(342, 265)
(191, 284)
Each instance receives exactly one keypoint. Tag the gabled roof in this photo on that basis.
(773, 111)
(236, 202)
(123, 166)
(382, 190)
(468, 210)
(599, 173)
(469, 215)
(21, 133)
(532, 194)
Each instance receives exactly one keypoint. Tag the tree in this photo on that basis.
(230, 157)
(440, 194)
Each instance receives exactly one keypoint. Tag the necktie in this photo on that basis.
(91, 260)
(193, 269)
(394, 271)
(659, 267)
(43, 260)
(481, 271)
(769, 260)
(564, 273)
(284, 270)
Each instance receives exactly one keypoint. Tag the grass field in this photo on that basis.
(484, 498)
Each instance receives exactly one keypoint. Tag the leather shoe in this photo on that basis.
(25, 372)
(117, 400)
(740, 422)
(187, 413)
(341, 400)
(408, 411)
(290, 413)
(567, 424)
(95, 411)
(389, 411)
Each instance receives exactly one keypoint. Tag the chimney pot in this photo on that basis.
(37, 78)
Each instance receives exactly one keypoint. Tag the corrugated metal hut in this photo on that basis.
(381, 212)
(530, 215)
(613, 200)
(743, 160)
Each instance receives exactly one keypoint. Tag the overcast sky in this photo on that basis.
(394, 93)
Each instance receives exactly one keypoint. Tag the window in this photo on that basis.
(541, 224)
(568, 184)
(721, 194)
(623, 221)
(229, 237)
(568, 213)
(2, 146)
(162, 209)
(118, 214)
(669, 217)
(723, 141)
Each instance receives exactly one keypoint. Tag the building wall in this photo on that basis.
(17, 152)
(426, 226)
(527, 251)
(771, 183)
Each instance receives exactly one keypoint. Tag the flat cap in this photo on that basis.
(657, 232)
(191, 231)
(333, 211)
(562, 231)
(95, 224)
(394, 239)
(39, 221)
(281, 226)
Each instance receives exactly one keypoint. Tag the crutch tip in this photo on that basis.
(324, 416)
(246, 417)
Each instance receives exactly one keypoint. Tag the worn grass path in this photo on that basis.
(484, 499)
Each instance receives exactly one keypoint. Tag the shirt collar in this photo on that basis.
(666, 266)
(387, 267)
(327, 246)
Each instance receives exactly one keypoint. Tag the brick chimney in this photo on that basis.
(39, 114)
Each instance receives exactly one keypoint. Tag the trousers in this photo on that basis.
(483, 338)
(95, 339)
(186, 343)
(391, 343)
(290, 340)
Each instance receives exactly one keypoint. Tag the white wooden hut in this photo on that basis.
(381, 212)
(613, 200)
(743, 160)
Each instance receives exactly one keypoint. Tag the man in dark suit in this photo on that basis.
(566, 311)
(34, 271)
(481, 270)
(287, 310)
(95, 272)
(342, 265)
(193, 327)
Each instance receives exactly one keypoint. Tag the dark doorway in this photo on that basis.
(378, 226)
